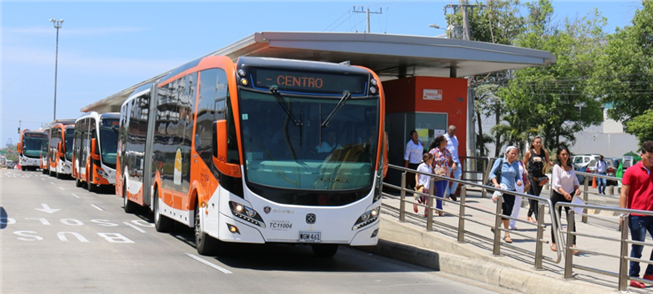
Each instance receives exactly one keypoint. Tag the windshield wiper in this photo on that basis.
(282, 102)
(341, 103)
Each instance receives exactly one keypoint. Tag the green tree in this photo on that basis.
(642, 126)
(624, 73)
(553, 100)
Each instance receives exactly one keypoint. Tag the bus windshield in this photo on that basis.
(70, 134)
(32, 144)
(303, 154)
(109, 145)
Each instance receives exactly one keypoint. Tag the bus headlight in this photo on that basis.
(102, 173)
(367, 218)
(247, 214)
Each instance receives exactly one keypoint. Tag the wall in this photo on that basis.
(406, 109)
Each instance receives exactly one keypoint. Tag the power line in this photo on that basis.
(336, 20)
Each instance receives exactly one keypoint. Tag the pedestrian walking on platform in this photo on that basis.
(510, 177)
(520, 189)
(424, 180)
(564, 186)
(535, 160)
(637, 193)
(441, 163)
(601, 169)
(456, 168)
(412, 157)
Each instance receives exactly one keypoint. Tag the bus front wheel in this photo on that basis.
(205, 244)
(325, 250)
(161, 222)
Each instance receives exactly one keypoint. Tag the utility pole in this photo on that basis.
(471, 133)
(466, 34)
(368, 14)
(19, 121)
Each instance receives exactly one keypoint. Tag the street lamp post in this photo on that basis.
(57, 25)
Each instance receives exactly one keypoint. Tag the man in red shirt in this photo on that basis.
(637, 193)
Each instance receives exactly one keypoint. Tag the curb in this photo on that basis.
(525, 281)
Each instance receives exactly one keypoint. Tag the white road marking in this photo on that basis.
(61, 188)
(208, 263)
(47, 208)
(135, 227)
(97, 207)
(52, 183)
(75, 196)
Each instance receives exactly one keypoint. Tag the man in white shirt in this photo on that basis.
(601, 169)
(452, 146)
(413, 157)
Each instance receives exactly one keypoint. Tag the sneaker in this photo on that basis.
(636, 284)
(648, 277)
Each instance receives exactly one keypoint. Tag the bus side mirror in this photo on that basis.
(20, 148)
(60, 150)
(221, 135)
(94, 154)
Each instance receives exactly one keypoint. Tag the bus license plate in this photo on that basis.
(310, 237)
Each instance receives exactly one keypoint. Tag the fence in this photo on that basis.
(560, 236)
(543, 203)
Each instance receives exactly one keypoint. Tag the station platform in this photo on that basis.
(513, 269)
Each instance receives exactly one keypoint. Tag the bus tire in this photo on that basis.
(78, 183)
(325, 250)
(205, 244)
(162, 223)
(130, 207)
(22, 168)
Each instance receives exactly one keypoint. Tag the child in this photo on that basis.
(423, 180)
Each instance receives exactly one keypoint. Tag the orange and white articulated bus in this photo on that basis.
(94, 150)
(60, 147)
(29, 149)
(43, 155)
(262, 150)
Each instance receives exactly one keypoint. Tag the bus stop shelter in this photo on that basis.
(417, 65)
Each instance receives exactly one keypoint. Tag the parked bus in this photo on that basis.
(60, 149)
(29, 149)
(94, 150)
(43, 163)
(262, 150)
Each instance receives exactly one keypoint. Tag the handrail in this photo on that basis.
(543, 202)
(623, 257)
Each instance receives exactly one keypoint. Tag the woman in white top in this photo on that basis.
(413, 157)
(564, 185)
(424, 180)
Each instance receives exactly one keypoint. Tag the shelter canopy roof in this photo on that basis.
(390, 56)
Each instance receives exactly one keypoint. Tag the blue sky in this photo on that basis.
(105, 47)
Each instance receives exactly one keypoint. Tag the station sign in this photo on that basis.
(309, 82)
(432, 94)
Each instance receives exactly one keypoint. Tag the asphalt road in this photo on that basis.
(57, 238)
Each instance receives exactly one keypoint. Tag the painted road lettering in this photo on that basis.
(109, 237)
(68, 236)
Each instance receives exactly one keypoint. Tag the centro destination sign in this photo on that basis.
(308, 82)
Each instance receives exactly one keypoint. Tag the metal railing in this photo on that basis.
(561, 237)
(585, 192)
(543, 203)
(623, 257)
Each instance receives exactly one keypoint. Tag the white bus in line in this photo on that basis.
(260, 150)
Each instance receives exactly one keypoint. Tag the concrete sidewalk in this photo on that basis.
(514, 269)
